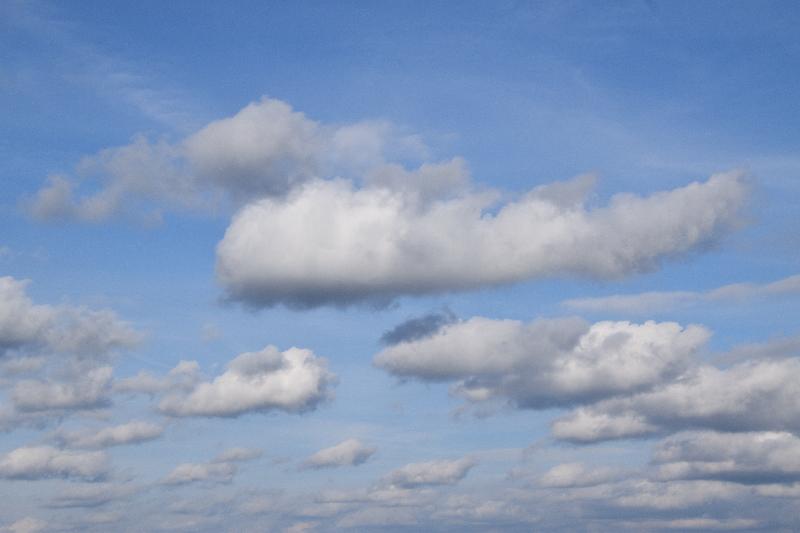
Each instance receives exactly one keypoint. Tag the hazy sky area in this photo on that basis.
(399, 266)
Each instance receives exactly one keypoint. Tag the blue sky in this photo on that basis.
(579, 221)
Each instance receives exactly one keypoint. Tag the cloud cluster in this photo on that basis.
(25, 325)
(351, 452)
(750, 396)
(294, 380)
(265, 149)
(546, 363)
(221, 469)
(331, 243)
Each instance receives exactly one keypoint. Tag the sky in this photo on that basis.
(407, 266)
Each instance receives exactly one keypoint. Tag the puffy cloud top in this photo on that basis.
(294, 380)
(330, 243)
(546, 362)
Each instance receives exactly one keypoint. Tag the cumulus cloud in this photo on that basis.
(441, 472)
(266, 148)
(350, 452)
(750, 396)
(647, 302)
(41, 462)
(88, 391)
(129, 433)
(294, 380)
(183, 377)
(331, 243)
(546, 363)
(62, 329)
(750, 458)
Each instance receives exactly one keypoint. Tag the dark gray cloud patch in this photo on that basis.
(419, 328)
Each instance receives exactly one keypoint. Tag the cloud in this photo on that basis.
(89, 391)
(546, 363)
(183, 377)
(265, 149)
(442, 472)
(677, 495)
(91, 494)
(750, 396)
(350, 452)
(749, 458)
(648, 302)
(293, 381)
(129, 433)
(60, 329)
(328, 243)
(42, 462)
(195, 472)
(569, 475)
(26, 525)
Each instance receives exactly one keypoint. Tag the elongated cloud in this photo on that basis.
(442, 472)
(295, 380)
(749, 458)
(546, 363)
(351, 452)
(657, 301)
(128, 433)
(329, 243)
(751, 396)
(41, 462)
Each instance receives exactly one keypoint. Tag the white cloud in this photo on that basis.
(750, 396)
(196, 472)
(87, 391)
(677, 495)
(441, 472)
(546, 362)
(40, 462)
(350, 452)
(128, 433)
(329, 243)
(63, 329)
(266, 148)
(658, 301)
(294, 381)
(751, 458)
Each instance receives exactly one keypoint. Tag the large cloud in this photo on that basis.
(750, 396)
(294, 381)
(330, 243)
(546, 363)
(266, 148)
